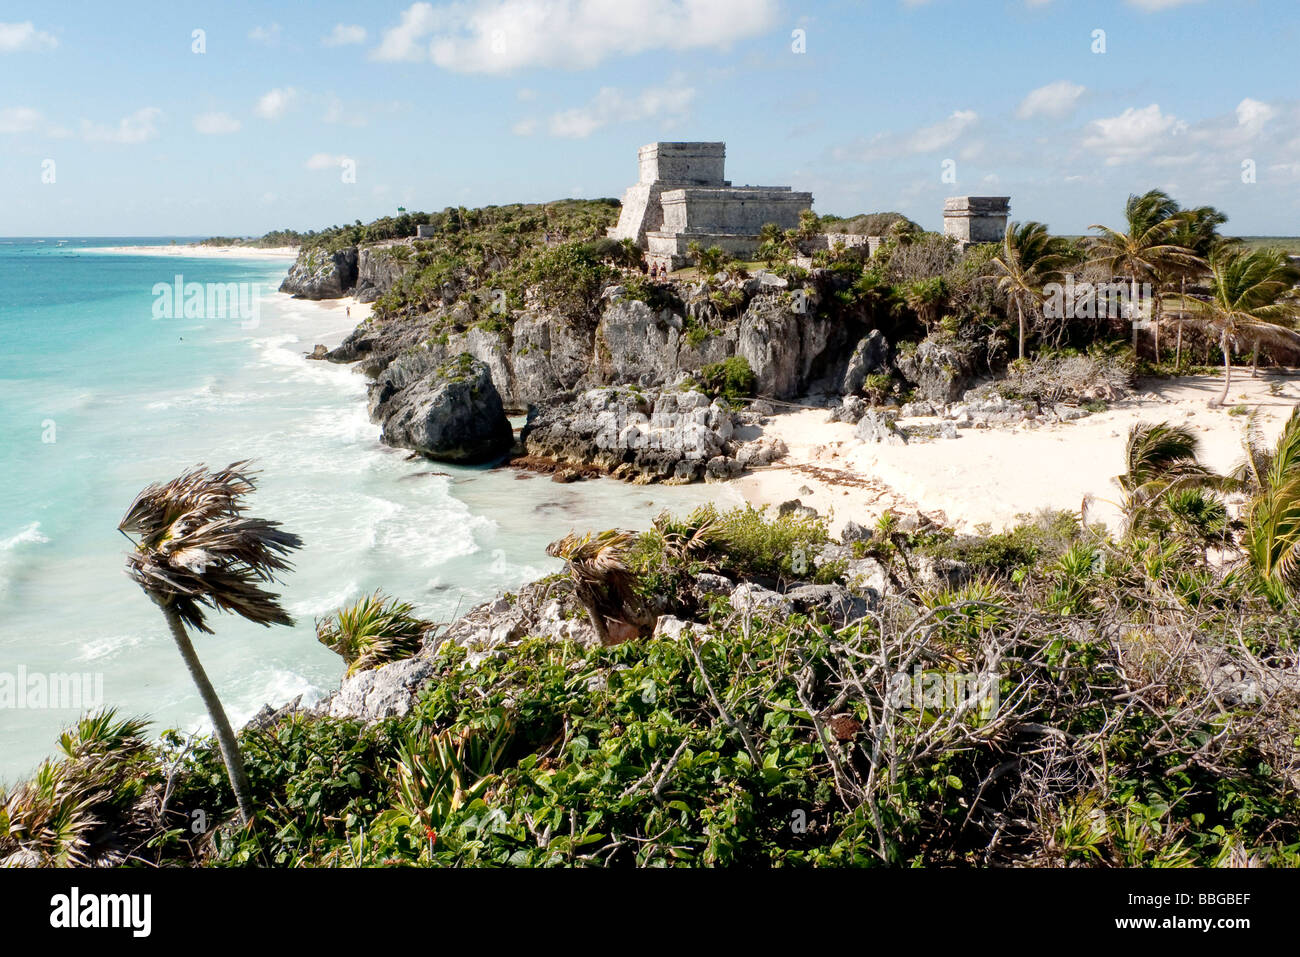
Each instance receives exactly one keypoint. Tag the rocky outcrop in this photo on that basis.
(318, 274)
(878, 426)
(670, 437)
(785, 342)
(379, 268)
(870, 357)
(447, 410)
(939, 370)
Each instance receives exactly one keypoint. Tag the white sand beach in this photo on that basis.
(194, 250)
(993, 475)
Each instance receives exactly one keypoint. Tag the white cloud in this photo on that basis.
(1252, 115)
(611, 105)
(267, 35)
(941, 134)
(497, 36)
(345, 34)
(325, 161)
(273, 104)
(18, 119)
(1134, 134)
(926, 139)
(1056, 100)
(216, 124)
(525, 127)
(25, 38)
(139, 127)
(1153, 6)
(525, 95)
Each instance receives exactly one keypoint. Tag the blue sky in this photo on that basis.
(494, 101)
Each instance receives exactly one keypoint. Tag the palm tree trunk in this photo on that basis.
(1182, 311)
(1227, 370)
(1020, 314)
(220, 723)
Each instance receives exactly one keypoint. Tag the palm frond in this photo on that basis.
(197, 549)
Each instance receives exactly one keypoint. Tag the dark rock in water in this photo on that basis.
(870, 357)
(321, 275)
(320, 352)
(449, 411)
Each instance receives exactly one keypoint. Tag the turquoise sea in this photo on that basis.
(99, 398)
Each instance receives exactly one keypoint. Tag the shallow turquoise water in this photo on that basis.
(98, 398)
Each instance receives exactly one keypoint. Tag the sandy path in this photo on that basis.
(993, 475)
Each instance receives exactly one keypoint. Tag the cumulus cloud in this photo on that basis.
(1253, 115)
(1056, 100)
(18, 119)
(25, 38)
(345, 34)
(275, 103)
(216, 124)
(1134, 134)
(612, 105)
(139, 127)
(497, 36)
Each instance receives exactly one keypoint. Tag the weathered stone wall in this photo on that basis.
(976, 219)
(683, 164)
(740, 211)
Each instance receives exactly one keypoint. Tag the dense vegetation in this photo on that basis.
(1130, 699)
(1127, 702)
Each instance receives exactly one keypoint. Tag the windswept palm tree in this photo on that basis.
(1252, 299)
(1159, 458)
(1272, 539)
(197, 549)
(1147, 250)
(602, 582)
(1030, 258)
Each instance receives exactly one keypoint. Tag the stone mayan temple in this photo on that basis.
(976, 219)
(682, 197)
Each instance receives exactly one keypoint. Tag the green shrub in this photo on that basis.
(732, 379)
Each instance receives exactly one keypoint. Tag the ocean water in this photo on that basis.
(98, 398)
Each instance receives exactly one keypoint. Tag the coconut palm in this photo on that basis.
(1030, 258)
(1272, 538)
(602, 582)
(1159, 458)
(1198, 231)
(373, 632)
(926, 297)
(197, 549)
(1251, 300)
(1147, 250)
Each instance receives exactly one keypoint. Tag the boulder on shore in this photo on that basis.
(318, 274)
(449, 411)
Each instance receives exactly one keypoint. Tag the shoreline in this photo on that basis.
(986, 476)
(195, 251)
(992, 476)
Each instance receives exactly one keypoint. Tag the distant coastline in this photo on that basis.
(197, 251)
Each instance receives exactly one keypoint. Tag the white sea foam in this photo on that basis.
(10, 554)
